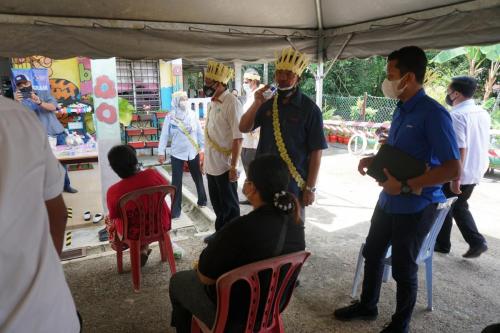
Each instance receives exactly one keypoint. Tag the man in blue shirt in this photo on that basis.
(405, 211)
(44, 106)
(300, 124)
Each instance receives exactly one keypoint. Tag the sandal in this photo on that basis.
(97, 218)
(145, 257)
(86, 215)
(103, 235)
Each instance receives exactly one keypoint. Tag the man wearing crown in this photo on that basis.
(223, 144)
(291, 125)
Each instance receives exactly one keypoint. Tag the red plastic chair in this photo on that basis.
(144, 206)
(250, 274)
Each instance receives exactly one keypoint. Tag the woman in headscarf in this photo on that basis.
(182, 128)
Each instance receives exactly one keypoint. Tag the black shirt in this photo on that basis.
(301, 124)
(248, 239)
(244, 240)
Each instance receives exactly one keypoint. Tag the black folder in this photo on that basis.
(399, 164)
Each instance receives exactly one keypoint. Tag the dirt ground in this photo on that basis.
(466, 292)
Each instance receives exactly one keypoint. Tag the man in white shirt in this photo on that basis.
(34, 296)
(222, 144)
(251, 82)
(472, 126)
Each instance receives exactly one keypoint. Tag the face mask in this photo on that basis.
(209, 90)
(390, 88)
(247, 88)
(286, 92)
(448, 100)
(183, 105)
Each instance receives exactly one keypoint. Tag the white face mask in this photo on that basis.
(286, 88)
(247, 88)
(184, 105)
(390, 88)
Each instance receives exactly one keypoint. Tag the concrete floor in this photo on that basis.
(466, 294)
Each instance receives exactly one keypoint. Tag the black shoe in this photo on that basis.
(355, 311)
(441, 249)
(244, 202)
(209, 238)
(70, 190)
(389, 328)
(145, 257)
(475, 251)
(103, 235)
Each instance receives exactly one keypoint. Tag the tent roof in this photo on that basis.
(245, 30)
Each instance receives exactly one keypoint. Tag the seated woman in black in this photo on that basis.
(249, 238)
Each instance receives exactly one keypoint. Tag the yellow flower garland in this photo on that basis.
(281, 146)
(186, 133)
(214, 144)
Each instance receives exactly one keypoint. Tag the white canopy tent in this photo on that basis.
(241, 30)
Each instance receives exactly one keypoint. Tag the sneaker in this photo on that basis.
(441, 249)
(355, 311)
(475, 251)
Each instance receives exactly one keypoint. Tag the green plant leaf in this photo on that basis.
(492, 52)
(447, 55)
(125, 110)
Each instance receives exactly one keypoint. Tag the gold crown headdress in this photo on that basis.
(251, 76)
(218, 72)
(291, 60)
(180, 93)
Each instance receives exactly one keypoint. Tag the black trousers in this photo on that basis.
(224, 198)
(463, 218)
(405, 232)
(188, 298)
(177, 172)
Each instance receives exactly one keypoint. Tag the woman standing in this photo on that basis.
(182, 127)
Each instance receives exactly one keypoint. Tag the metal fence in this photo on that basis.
(362, 108)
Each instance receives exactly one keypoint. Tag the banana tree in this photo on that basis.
(476, 55)
(492, 53)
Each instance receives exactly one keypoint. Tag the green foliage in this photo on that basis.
(125, 111)
(328, 114)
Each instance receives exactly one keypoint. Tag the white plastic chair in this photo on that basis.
(424, 256)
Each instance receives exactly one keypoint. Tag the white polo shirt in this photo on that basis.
(250, 140)
(223, 121)
(472, 128)
(34, 296)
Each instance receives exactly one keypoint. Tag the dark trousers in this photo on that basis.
(188, 298)
(405, 232)
(224, 198)
(463, 218)
(247, 156)
(61, 140)
(177, 172)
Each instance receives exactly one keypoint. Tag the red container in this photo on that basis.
(137, 144)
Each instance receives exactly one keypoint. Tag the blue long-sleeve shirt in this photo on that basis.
(181, 147)
(48, 118)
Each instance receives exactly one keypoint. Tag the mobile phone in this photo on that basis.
(269, 92)
(26, 92)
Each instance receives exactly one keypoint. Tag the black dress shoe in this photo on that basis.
(475, 251)
(441, 249)
(390, 328)
(355, 311)
(70, 190)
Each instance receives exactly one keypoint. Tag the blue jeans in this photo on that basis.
(177, 171)
(61, 140)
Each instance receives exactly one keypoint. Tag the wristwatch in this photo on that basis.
(311, 189)
(405, 188)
